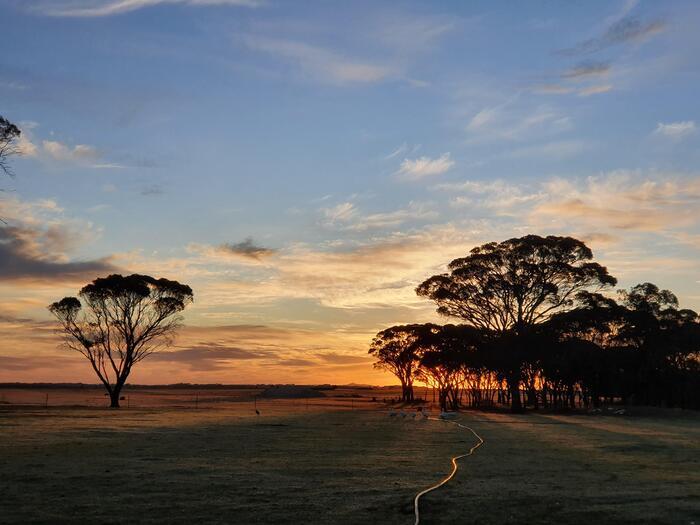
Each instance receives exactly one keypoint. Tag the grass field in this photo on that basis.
(329, 464)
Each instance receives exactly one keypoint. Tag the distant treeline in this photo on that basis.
(538, 332)
(175, 386)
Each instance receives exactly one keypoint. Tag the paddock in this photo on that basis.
(346, 462)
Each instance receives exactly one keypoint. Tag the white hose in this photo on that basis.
(454, 467)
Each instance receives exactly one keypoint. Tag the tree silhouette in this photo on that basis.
(125, 319)
(509, 287)
(449, 360)
(538, 320)
(665, 341)
(398, 350)
(584, 340)
(9, 135)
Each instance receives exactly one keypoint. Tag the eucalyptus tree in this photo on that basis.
(398, 350)
(586, 340)
(123, 320)
(507, 288)
(450, 359)
(9, 137)
(666, 344)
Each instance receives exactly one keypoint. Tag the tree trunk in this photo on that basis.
(532, 397)
(516, 405)
(545, 393)
(115, 393)
(406, 391)
(442, 399)
(114, 397)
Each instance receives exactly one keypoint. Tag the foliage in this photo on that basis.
(9, 135)
(538, 322)
(124, 320)
(398, 350)
(508, 288)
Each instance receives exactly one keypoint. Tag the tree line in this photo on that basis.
(541, 328)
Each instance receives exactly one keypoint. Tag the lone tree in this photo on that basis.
(9, 135)
(507, 288)
(125, 319)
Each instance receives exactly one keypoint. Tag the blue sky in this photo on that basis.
(305, 164)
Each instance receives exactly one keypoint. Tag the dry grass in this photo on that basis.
(321, 464)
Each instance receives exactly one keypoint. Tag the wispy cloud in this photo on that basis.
(562, 89)
(322, 64)
(579, 80)
(676, 130)
(425, 167)
(55, 151)
(594, 90)
(608, 203)
(406, 33)
(624, 30)
(516, 121)
(498, 195)
(623, 201)
(586, 70)
(551, 150)
(343, 212)
(96, 8)
(61, 152)
(401, 150)
(552, 89)
(346, 217)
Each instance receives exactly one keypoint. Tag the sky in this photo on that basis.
(304, 165)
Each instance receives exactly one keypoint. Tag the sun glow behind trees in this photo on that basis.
(536, 322)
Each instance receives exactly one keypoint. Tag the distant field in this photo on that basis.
(341, 461)
(190, 397)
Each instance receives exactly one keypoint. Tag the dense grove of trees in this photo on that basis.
(542, 328)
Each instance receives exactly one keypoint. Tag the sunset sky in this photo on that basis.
(304, 165)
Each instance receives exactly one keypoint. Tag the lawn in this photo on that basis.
(296, 464)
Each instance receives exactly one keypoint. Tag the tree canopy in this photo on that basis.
(507, 288)
(516, 283)
(120, 321)
(398, 350)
